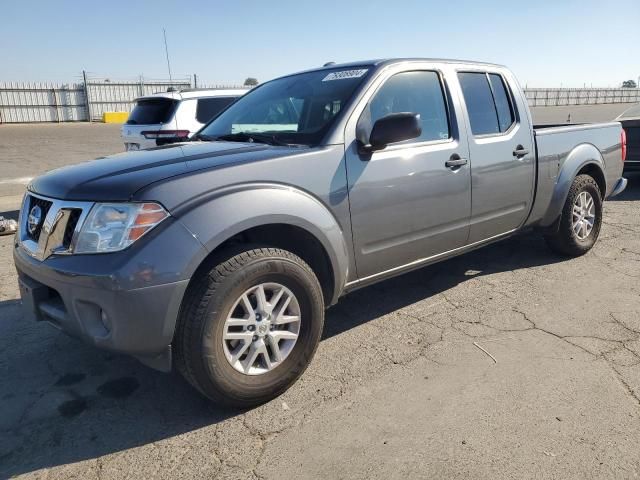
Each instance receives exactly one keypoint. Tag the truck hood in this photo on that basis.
(118, 177)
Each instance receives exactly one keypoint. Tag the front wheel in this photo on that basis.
(581, 219)
(249, 326)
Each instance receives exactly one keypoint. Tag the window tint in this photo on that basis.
(416, 92)
(152, 111)
(503, 105)
(479, 100)
(209, 107)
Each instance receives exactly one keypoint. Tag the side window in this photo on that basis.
(416, 92)
(488, 104)
(208, 108)
(503, 105)
(479, 100)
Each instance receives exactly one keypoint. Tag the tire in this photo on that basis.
(565, 240)
(200, 346)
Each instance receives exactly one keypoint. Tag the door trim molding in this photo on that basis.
(423, 261)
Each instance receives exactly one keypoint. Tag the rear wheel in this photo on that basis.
(581, 219)
(249, 326)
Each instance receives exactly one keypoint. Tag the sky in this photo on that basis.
(547, 43)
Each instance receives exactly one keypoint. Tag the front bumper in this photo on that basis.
(127, 301)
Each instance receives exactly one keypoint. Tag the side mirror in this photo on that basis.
(392, 128)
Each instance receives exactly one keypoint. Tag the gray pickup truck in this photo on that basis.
(220, 255)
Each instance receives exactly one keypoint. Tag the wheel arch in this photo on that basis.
(278, 217)
(583, 159)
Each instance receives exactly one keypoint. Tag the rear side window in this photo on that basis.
(503, 105)
(152, 111)
(209, 107)
(415, 92)
(480, 107)
(490, 110)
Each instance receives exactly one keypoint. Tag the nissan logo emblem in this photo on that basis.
(34, 219)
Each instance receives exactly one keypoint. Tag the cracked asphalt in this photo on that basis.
(508, 362)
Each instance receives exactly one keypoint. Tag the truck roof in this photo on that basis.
(380, 62)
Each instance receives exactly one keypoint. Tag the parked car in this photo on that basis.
(173, 116)
(630, 120)
(219, 256)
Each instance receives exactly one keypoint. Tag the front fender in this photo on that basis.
(580, 157)
(223, 213)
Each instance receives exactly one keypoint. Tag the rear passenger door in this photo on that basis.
(502, 154)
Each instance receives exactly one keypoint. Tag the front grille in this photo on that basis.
(65, 216)
(74, 216)
(44, 205)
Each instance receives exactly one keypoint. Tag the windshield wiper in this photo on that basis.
(201, 137)
(253, 137)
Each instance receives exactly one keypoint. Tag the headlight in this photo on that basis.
(111, 227)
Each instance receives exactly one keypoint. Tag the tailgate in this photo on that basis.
(632, 127)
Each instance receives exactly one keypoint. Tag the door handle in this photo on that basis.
(455, 161)
(520, 151)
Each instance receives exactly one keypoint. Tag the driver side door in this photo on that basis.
(408, 201)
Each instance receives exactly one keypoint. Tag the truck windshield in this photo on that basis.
(298, 109)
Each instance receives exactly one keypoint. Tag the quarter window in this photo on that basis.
(488, 105)
(416, 92)
(209, 107)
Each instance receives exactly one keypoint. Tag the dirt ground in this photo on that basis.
(508, 362)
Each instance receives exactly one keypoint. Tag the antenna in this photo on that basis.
(166, 51)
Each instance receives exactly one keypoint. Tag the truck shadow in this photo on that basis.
(361, 306)
(64, 402)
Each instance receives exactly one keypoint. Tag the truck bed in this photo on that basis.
(556, 145)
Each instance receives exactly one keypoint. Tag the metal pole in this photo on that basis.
(86, 95)
(55, 103)
(195, 81)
